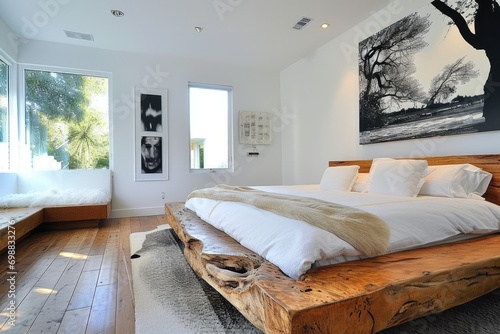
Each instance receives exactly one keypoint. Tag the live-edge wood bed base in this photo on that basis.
(363, 296)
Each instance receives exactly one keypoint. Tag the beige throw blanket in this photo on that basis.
(364, 231)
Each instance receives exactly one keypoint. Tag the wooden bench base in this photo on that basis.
(81, 216)
(57, 217)
(26, 220)
(363, 296)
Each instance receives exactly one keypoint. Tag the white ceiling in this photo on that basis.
(242, 32)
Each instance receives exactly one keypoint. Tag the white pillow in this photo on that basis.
(339, 178)
(460, 180)
(396, 177)
(360, 184)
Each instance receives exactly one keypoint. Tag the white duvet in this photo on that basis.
(295, 246)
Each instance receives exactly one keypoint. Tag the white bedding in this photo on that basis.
(295, 246)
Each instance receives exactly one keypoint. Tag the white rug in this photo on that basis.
(169, 297)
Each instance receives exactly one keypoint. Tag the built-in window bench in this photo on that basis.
(17, 222)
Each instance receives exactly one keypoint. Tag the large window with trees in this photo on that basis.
(210, 111)
(4, 114)
(67, 120)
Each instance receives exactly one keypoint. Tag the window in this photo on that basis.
(210, 118)
(67, 120)
(4, 113)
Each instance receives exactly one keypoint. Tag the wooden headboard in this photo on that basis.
(489, 163)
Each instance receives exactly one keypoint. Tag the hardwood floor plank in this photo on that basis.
(158, 220)
(135, 224)
(76, 240)
(124, 302)
(114, 224)
(148, 224)
(103, 311)
(88, 241)
(52, 313)
(84, 291)
(27, 256)
(93, 262)
(34, 272)
(26, 282)
(25, 251)
(32, 304)
(100, 240)
(50, 317)
(109, 267)
(75, 281)
(125, 232)
(74, 321)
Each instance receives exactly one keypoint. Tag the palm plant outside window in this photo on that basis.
(67, 120)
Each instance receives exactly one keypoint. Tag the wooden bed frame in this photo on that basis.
(364, 296)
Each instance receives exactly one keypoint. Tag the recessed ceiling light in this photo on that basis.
(117, 13)
(198, 29)
(325, 25)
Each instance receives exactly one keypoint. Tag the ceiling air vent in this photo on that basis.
(302, 23)
(79, 35)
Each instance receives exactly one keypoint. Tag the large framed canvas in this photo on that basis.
(151, 137)
(435, 72)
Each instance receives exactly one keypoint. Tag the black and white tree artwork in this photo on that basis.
(425, 75)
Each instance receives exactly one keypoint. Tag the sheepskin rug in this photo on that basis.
(53, 197)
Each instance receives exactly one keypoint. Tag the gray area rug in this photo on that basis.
(170, 298)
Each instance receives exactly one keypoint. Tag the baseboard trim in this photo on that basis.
(137, 212)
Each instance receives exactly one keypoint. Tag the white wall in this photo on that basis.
(64, 180)
(8, 41)
(8, 183)
(316, 98)
(320, 94)
(254, 90)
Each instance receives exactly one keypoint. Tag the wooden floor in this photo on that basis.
(73, 281)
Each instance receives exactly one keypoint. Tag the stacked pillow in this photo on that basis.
(396, 177)
(406, 177)
(339, 178)
(462, 180)
(360, 183)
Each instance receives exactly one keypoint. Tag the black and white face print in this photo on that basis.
(151, 113)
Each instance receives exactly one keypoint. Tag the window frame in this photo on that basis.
(12, 123)
(230, 162)
(21, 115)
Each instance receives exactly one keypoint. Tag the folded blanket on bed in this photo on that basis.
(364, 231)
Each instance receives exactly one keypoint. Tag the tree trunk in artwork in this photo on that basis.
(486, 37)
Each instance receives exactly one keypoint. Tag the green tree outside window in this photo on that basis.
(67, 118)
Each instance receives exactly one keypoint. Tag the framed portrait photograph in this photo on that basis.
(151, 137)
